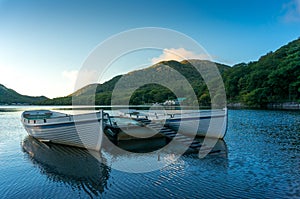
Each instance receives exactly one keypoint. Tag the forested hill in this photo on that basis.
(149, 93)
(9, 96)
(274, 78)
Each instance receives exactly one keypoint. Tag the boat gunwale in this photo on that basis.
(54, 125)
(62, 114)
(194, 118)
(49, 121)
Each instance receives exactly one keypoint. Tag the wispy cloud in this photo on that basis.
(291, 11)
(71, 75)
(77, 79)
(70, 79)
(178, 54)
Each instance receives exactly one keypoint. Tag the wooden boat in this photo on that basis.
(208, 123)
(120, 129)
(82, 130)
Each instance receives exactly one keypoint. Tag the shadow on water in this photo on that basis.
(69, 165)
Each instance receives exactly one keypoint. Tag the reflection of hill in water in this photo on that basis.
(70, 165)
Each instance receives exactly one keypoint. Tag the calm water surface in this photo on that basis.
(261, 159)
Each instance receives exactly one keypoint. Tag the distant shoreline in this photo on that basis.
(271, 106)
(286, 105)
(238, 105)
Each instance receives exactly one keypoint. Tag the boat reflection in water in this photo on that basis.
(70, 165)
(150, 155)
(84, 171)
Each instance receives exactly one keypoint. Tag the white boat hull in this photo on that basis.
(208, 126)
(83, 131)
(208, 123)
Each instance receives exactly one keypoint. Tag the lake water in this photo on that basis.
(260, 159)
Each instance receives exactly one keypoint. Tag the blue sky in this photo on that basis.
(44, 43)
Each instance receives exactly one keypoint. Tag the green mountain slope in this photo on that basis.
(274, 78)
(150, 92)
(9, 96)
(174, 78)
